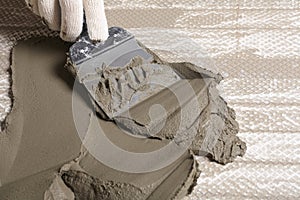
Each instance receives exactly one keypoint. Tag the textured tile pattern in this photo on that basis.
(255, 45)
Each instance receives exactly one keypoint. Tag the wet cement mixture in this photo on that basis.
(42, 155)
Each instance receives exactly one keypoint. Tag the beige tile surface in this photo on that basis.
(255, 45)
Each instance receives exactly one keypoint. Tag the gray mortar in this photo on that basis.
(213, 128)
(40, 92)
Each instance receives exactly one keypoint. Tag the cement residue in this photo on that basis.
(217, 136)
(58, 191)
(87, 187)
(210, 125)
(40, 136)
(174, 182)
(122, 87)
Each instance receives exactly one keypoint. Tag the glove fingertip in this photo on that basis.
(54, 26)
(71, 19)
(96, 19)
(69, 37)
(100, 35)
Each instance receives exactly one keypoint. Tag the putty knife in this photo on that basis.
(88, 57)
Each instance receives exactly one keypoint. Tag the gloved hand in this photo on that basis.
(66, 16)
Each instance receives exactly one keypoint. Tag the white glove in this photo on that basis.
(66, 16)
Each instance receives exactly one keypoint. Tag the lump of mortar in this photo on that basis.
(175, 184)
(217, 126)
(58, 189)
(120, 88)
(187, 105)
